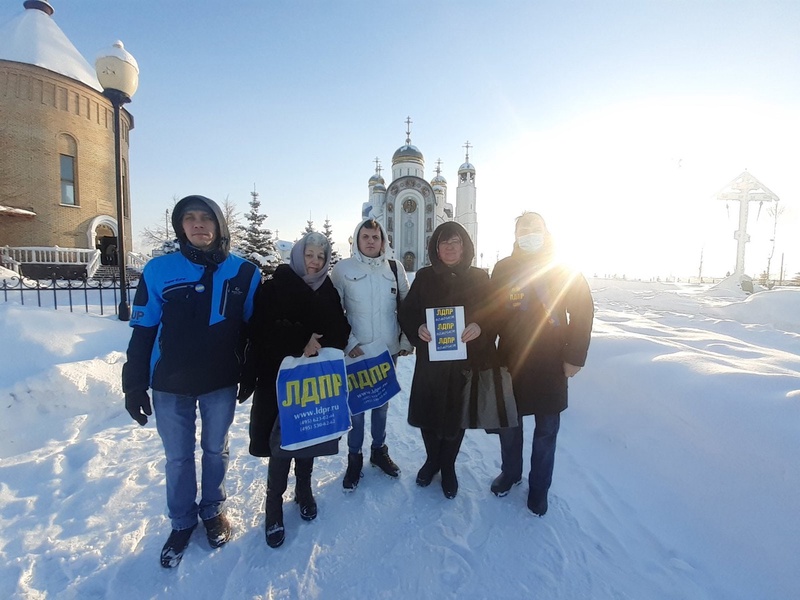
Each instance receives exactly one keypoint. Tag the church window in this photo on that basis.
(68, 180)
(68, 151)
(463, 177)
(429, 224)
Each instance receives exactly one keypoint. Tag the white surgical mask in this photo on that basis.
(531, 242)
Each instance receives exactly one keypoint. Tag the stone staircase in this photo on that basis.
(108, 272)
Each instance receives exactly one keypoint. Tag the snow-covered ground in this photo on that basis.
(676, 475)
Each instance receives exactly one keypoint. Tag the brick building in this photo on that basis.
(57, 171)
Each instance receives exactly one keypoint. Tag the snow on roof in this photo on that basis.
(34, 38)
(14, 212)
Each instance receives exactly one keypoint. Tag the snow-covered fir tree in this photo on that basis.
(309, 228)
(328, 231)
(257, 243)
(167, 247)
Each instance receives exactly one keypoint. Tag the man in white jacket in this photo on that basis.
(371, 287)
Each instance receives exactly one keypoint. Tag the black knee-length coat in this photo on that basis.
(544, 313)
(436, 401)
(287, 311)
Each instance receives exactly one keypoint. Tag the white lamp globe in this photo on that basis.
(117, 70)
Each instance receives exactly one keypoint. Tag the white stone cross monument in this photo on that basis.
(744, 190)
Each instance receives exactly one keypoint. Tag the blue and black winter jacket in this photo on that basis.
(189, 320)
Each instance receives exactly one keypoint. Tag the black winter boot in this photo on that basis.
(218, 530)
(353, 473)
(449, 481)
(379, 457)
(502, 484)
(447, 456)
(273, 526)
(427, 472)
(431, 466)
(278, 474)
(172, 552)
(302, 490)
(537, 502)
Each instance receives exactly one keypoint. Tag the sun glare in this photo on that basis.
(630, 190)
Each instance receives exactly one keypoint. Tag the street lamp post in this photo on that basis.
(118, 73)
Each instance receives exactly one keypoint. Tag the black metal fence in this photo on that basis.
(100, 296)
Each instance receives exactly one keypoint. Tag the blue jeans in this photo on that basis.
(355, 437)
(543, 453)
(175, 420)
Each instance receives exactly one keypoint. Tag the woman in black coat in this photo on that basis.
(544, 313)
(436, 399)
(296, 312)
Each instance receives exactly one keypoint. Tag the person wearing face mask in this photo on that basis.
(297, 311)
(544, 313)
(436, 400)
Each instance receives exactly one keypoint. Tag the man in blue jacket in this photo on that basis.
(189, 320)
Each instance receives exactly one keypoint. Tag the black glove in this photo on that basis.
(137, 403)
(246, 390)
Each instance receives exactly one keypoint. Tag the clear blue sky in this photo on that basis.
(618, 120)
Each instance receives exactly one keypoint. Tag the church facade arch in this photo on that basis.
(410, 208)
(101, 233)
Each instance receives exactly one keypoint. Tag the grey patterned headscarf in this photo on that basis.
(298, 264)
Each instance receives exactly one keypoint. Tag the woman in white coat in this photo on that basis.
(371, 287)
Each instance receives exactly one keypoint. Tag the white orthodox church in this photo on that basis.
(410, 207)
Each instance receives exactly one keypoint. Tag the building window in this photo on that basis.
(67, 153)
(68, 180)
